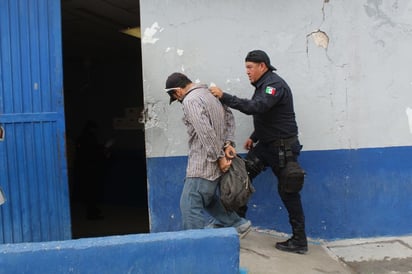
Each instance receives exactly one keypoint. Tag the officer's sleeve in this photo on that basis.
(263, 99)
(254, 137)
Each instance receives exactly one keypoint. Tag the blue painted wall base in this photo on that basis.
(191, 251)
(347, 194)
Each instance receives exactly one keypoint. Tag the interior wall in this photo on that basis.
(103, 83)
(103, 90)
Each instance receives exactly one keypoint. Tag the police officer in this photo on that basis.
(274, 140)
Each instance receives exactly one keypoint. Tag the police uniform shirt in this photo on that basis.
(271, 107)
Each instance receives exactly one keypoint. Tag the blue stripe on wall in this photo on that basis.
(347, 194)
(165, 178)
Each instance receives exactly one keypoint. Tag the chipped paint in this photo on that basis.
(150, 114)
(409, 114)
(149, 33)
(320, 38)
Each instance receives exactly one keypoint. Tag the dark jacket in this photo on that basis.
(271, 106)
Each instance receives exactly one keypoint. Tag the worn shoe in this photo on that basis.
(244, 229)
(214, 225)
(292, 245)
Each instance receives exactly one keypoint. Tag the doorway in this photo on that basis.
(103, 93)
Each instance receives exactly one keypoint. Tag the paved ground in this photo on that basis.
(366, 256)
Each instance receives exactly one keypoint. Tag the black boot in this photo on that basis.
(293, 245)
(298, 243)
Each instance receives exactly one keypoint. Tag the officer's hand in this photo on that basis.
(230, 152)
(217, 92)
(224, 164)
(248, 144)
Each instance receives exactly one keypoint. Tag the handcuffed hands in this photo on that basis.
(224, 163)
(230, 152)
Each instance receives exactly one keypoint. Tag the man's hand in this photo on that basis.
(248, 144)
(217, 92)
(230, 152)
(224, 164)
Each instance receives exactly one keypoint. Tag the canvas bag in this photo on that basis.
(235, 185)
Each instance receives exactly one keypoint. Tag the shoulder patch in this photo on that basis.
(270, 90)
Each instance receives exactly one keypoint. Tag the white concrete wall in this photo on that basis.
(348, 63)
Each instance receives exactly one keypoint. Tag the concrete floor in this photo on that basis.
(375, 255)
(258, 255)
(391, 255)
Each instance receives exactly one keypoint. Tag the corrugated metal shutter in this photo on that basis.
(33, 172)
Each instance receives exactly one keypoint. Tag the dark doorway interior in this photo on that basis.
(102, 76)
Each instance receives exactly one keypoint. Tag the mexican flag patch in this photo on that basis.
(270, 90)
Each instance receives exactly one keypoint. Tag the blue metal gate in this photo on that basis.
(33, 171)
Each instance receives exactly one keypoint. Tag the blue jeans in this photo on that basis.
(199, 195)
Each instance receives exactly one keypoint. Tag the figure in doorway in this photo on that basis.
(90, 157)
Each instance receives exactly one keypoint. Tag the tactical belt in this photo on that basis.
(284, 142)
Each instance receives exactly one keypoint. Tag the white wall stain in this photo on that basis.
(178, 51)
(228, 81)
(149, 33)
(409, 114)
